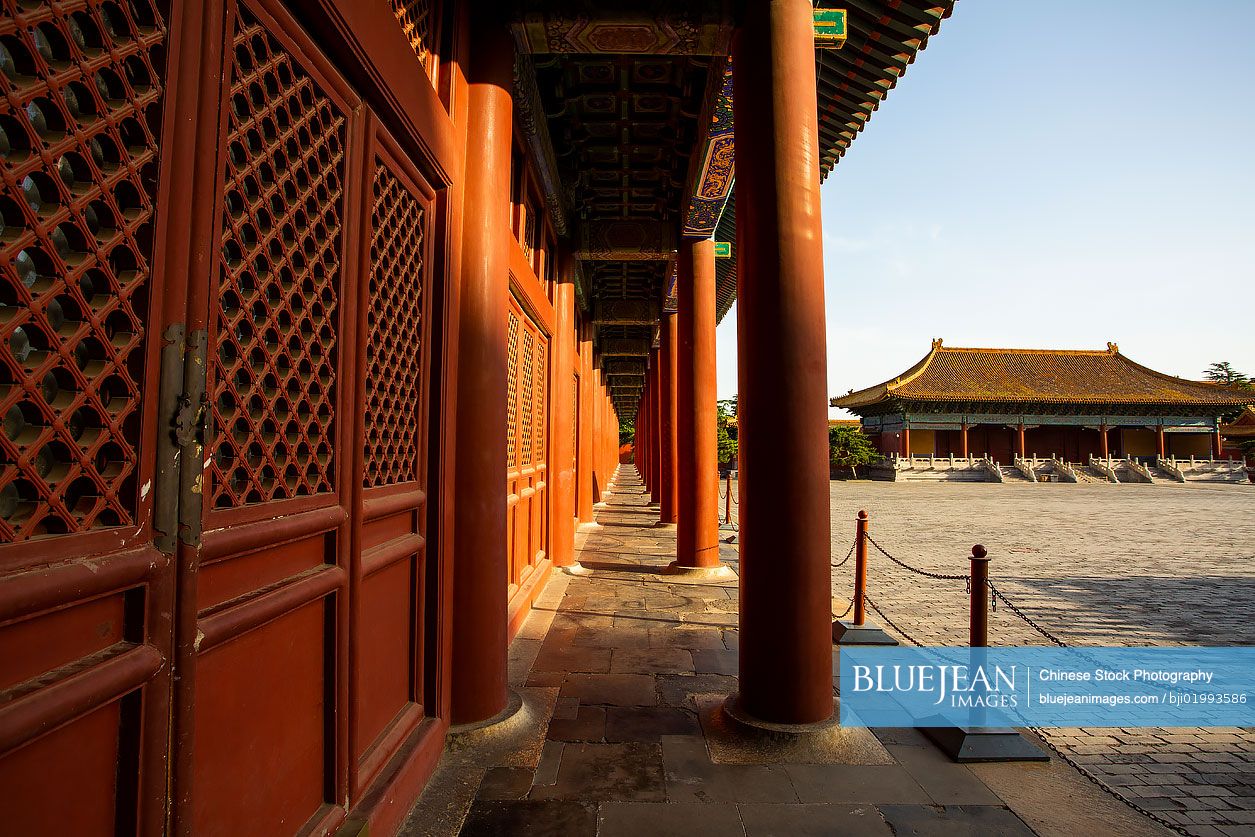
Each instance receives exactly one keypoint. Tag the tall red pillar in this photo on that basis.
(697, 533)
(655, 424)
(669, 483)
(1023, 453)
(562, 447)
(584, 498)
(785, 612)
(1162, 447)
(1106, 451)
(1218, 441)
(964, 436)
(480, 570)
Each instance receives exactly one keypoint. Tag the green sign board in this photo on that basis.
(830, 28)
(723, 249)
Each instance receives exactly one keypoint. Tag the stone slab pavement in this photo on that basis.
(1093, 564)
(620, 672)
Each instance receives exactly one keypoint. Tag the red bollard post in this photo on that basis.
(979, 742)
(978, 626)
(859, 631)
(860, 569)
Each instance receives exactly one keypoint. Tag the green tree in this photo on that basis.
(726, 430)
(1224, 374)
(849, 448)
(627, 431)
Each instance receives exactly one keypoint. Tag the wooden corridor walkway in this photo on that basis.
(621, 673)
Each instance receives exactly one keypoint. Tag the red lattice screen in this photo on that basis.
(394, 350)
(419, 21)
(82, 99)
(279, 285)
(526, 390)
(512, 388)
(526, 395)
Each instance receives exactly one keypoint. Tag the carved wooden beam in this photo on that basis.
(626, 240)
(625, 311)
(624, 346)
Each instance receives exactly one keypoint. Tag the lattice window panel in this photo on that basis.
(527, 383)
(538, 414)
(394, 340)
(280, 263)
(80, 120)
(419, 23)
(512, 388)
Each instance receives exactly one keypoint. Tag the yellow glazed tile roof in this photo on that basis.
(1051, 376)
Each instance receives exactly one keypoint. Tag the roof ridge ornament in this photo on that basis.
(937, 343)
(1114, 348)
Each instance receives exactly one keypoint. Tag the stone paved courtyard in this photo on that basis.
(1095, 565)
(621, 674)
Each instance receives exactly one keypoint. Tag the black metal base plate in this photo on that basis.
(847, 633)
(964, 744)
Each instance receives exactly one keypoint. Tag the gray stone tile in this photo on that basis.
(589, 724)
(948, 821)
(870, 784)
(559, 655)
(714, 661)
(531, 819)
(611, 689)
(651, 661)
(649, 723)
(638, 819)
(812, 820)
(691, 777)
(501, 783)
(607, 772)
(680, 689)
(945, 782)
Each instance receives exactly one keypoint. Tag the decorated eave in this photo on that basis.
(882, 39)
(1043, 377)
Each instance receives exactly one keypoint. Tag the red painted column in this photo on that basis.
(655, 422)
(669, 484)
(785, 587)
(1162, 447)
(965, 440)
(1103, 432)
(584, 500)
(906, 441)
(1023, 453)
(1219, 441)
(562, 454)
(480, 570)
(697, 535)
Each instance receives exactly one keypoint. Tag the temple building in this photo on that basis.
(1049, 402)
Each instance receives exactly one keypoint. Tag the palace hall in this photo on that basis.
(1070, 404)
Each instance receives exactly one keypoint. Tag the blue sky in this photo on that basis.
(1050, 176)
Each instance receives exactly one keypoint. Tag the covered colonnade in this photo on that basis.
(255, 532)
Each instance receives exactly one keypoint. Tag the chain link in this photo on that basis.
(846, 558)
(890, 622)
(939, 576)
(848, 608)
(997, 596)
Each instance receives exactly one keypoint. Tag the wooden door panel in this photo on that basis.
(84, 595)
(390, 610)
(271, 598)
(262, 738)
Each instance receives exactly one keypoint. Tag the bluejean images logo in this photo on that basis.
(1043, 687)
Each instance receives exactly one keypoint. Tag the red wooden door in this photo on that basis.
(220, 277)
(86, 579)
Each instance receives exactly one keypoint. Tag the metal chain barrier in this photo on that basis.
(846, 558)
(890, 622)
(1024, 617)
(926, 573)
